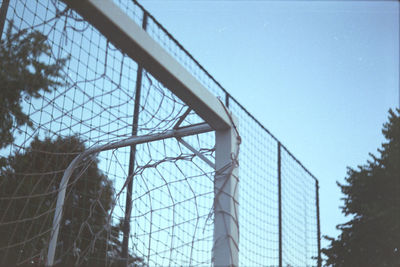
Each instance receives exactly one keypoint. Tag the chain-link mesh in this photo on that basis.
(299, 211)
(171, 221)
(93, 105)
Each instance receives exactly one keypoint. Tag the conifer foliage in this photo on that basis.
(372, 199)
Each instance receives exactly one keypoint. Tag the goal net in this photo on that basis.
(128, 201)
(109, 160)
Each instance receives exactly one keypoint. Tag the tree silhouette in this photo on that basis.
(29, 179)
(24, 74)
(372, 198)
(29, 187)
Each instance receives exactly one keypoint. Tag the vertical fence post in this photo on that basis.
(3, 15)
(226, 181)
(128, 203)
(280, 203)
(318, 223)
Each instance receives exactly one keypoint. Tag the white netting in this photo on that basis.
(86, 94)
(92, 103)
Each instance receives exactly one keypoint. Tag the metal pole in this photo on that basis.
(3, 15)
(318, 223)
(134, 140)
(280, 203)
(227, 100)
(226, 181)
(128, 204)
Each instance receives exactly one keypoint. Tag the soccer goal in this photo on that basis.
(148, 156)
(119, 149)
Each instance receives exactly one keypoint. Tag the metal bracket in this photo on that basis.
(186, 144)
(182, 118)
(196, 152)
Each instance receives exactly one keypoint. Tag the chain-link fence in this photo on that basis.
(145, 204)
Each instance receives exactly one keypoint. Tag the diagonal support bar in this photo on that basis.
(182, 118)
(134, 140)
(196, 152)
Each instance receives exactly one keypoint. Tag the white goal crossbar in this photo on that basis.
(132, 40)
(125, 34)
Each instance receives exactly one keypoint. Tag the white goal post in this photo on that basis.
(132, 40)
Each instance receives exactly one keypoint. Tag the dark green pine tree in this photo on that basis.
(372, 199)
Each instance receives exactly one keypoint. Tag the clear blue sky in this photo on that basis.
(320, 75)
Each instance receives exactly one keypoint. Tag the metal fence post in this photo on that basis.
(318, 223)
(3, 15)
(128, 203)
(280, 203)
